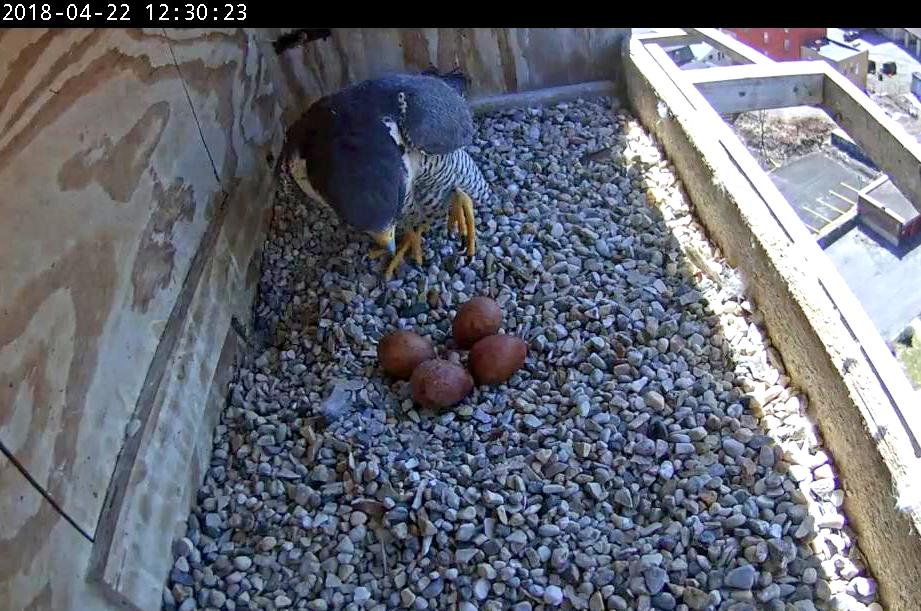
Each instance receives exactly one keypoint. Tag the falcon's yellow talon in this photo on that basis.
(463, 216)
(417, 244)
(471, 225)
(394, 263)
(411, 242)
(455, 220)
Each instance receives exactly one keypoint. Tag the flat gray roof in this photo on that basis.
(888, 195)
(882, 279)
(807, 183)
(835, 51)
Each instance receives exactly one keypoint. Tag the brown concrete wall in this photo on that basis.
(854, 68)
(879, 221)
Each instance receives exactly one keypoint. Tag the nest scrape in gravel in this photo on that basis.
(651, 454)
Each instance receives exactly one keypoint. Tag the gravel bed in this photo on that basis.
(650, 455)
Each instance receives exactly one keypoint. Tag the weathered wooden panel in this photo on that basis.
(43, 553)
(158, 493)
(498, 60)
(231, 89)
(733, 89)
(103, 201)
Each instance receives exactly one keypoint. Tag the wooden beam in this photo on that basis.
(734, 49)
(864, 332)
(737, 50)
(668, 37)
(543, 97)
(733, 89)
(884, 141)
(751, 71)
(759, 87)
(829, 345)
(659, 33)
(780, 208)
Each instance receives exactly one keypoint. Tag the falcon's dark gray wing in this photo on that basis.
(456, 79)
(438, 120)
(352, 162)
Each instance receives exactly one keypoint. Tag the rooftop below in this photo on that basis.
(877, 275)
(889, 196)
(811, 183)
(833, 50)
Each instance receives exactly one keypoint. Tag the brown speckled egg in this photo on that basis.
(401, 352)
(496, 358)
(439, 384)
(479, 317)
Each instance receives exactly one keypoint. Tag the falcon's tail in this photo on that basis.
(456, 79)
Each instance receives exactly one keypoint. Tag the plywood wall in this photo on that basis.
(135, 184)
(497, 60)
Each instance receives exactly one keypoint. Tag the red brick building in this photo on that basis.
(780, 44)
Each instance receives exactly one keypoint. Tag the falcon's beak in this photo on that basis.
(386, 239)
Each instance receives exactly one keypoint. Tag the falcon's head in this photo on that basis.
(352, 162)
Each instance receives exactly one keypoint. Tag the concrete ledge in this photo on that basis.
(842, 141)
(881, 222)
(837, 228)
(849, 399)
(544, 97)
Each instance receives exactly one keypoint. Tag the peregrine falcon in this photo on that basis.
(390, 151)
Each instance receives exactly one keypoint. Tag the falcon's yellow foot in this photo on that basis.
(461, 216)
(411, 241)
(377, 253)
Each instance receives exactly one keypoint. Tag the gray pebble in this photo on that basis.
(741, 578)
(553, 596)
(655, 579)
(732, 447)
